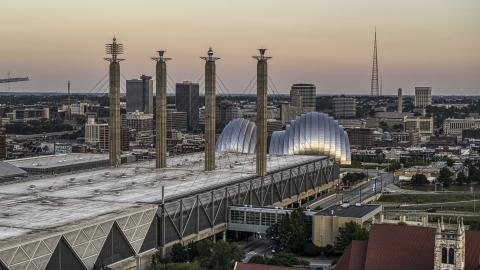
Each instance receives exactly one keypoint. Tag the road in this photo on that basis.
(366, 189)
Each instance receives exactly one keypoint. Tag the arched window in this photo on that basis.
(444, 255)
(451, 256)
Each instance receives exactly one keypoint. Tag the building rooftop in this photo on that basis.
(37, 205)
(352, 211)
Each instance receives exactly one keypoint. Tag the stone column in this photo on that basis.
(262, 89)
(210, 105)
(161, 111)
(114, 120)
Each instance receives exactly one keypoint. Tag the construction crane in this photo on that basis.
(8, 80)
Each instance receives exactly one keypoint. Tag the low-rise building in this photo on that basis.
(344, 107)
(360, 138)
(424, 125)
(452, 126)
(140, 121)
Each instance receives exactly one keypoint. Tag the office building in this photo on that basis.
(308, 93)
(289, 113)
(471, 133)
(344, 107)
(226, 111)
(3, 142)
(452, 126)
(424, 125)
(140, 121)
(295, 98)
(176, 120)
(98, 134)
(186, 100)
(140, 95)
(360, 138)
(423, 96)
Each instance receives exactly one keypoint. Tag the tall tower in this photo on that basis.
(161, 111)
(210, 74)
(114, 123)
(68, 102)
(450, 247)
(374, 89)
(399, 107)
(262, 80)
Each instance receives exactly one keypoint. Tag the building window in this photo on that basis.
(444, 255)
(451, 256)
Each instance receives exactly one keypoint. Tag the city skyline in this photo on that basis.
(326, 44)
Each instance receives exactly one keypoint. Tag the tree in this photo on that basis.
(450, 162)
(286, 259)
(259, 259)
(179, 254)
(445, 176)
(419, 179)
(219, 256)
(461, 178)
(177, 266)
(401, 223)
(297, 232)
(347, 234)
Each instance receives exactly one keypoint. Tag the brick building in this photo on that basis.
(361, 138)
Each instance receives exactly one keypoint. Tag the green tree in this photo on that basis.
(178, 266)
(179, 253)
(348, 233)
(297, 230)
(461, 178)
(259, 259)
(401, 223)
(103, 267)
(274, 234)
(419, 179)
(445, 176)
(219, 256)
(286, 259)
(450, 162)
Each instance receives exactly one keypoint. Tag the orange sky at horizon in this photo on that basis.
(327, 43)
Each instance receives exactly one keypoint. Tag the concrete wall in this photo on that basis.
(325, 228)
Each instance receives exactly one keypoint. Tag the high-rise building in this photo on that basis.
(423, 96)
(186, 100)
(99, 133)
(344, 107)
(424, 125)
(140, 95)
(3, 142)
(226, 111)
(176, 120)
(399, 102)
(140, 121)
(308, 92)
(295, 98)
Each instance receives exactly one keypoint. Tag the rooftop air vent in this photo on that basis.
(237, 162)
(134, 184)
(107, 174)
(61, 203)
(97, 192)
(124, 175)
(7, 214)
(186, 159)
(137, 169)
(231, 166)
(45, 201)
(90, 181)
(153, 184)
(51, 188)
(165, 177)
(118, 193)
(32, 187)
(184, 177)
(72, 179)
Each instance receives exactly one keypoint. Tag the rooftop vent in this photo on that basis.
(134, 184)
(137, 169)
(231, 167)
(186, 159)
(45, 201)
(107, 174)
(184, 177)
(165, 177)
(118, 193)
(124, 175)
(7, 214)
(32, 187)
(332, 212)
(153, 184)
(97, 192)
(90, 181)
(237, 162)
(72, 179)
(61, 203)
(51, 188)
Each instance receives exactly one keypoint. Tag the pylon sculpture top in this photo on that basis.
(160, 59)
(114, 49)
(210, 57)
(262, 56)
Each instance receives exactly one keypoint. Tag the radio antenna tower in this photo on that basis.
(374, 90)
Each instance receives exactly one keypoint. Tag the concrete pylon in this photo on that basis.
(210, 105)
(161, 111)
(399, 109)
(262, 82)
(114, 139)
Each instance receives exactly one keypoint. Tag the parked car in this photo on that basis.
(431, 210)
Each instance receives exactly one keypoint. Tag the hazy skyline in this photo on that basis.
(327, 43)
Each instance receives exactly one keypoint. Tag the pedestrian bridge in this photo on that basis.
(248, 218)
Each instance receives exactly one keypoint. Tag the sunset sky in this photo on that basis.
(328, 43)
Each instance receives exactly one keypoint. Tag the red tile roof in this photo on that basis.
(472, 249)
(254, 266)
(402, 247)
(354, 257)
